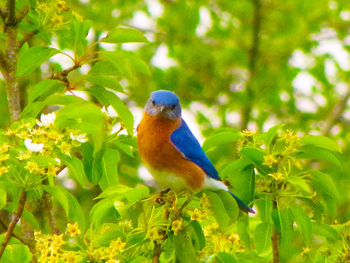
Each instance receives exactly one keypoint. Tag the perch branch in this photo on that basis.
(13, 223)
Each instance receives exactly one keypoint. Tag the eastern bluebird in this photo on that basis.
(170, 151)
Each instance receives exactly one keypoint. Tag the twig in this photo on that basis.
(14, 221)
(11, 7)
(336, 113)
(22, 14)
(253, 56)
(27, 38)
(13, 234)
(63, 75)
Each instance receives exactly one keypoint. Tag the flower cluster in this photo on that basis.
(37, 147)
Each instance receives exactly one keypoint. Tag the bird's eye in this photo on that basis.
(173, 106)
(153, 103)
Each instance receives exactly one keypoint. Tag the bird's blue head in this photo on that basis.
(165, 104)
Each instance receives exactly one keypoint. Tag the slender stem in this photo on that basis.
(336, 113)
(27, 38)
(274, 239)
(13, 223)
(253, 57)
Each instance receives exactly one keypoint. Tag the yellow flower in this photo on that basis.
(116, 245)
(290, 137)
(54, 135)
(24, 155)
(57, 241)
(4, 148)
(269, 160)
(4, 157)
(277, 176)
(61, 5)
(176, 226)
(73, 229)
(52, 170)
(205, 201)
(33, 167)
(196, 215)
(9, 132)
(234, 238)
(70, 257)
(306, 250)
(248, 133)
(4, 169)
(57, 20)
(153, 234)
(43, 7)
(65, 148)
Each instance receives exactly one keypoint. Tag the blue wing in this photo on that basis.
(185, 142)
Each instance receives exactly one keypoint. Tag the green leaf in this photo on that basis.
(75, 168)
(303, 221)
(283, 221)
(84, 116)
(105, 81)
(221, 138)
(321, 141)
(270, 135)
(59, 195)
(106, 97)
(30, 218)
(314, 152)
(110, 161)
(299, 183)
(230, 204)
(15, 253)
(223, 257)
(184, 250)
(69, 204)
(198, 235)
(264, 209)
(124, 35)
(124, 197)
(103, 212)
(325, 186)
(127, 63)
(218, 209)
(325, 231)
(243, 231)
(256, 157)
(45, 88)
(3, 197)
(243, 183)
(262, 237)
(253, 154)
(32, 58)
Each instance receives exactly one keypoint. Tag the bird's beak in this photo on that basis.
(162, 108)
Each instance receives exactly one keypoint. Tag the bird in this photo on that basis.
(171, 152)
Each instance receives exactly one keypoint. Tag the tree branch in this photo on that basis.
(253, 57)
(27, 38)
(13, 223)
(11, 7)
(336, 113)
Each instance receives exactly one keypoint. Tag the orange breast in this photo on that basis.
(159, 154)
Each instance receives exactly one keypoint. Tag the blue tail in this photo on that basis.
(241, 204)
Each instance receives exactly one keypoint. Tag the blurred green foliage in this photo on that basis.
(268, 84)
